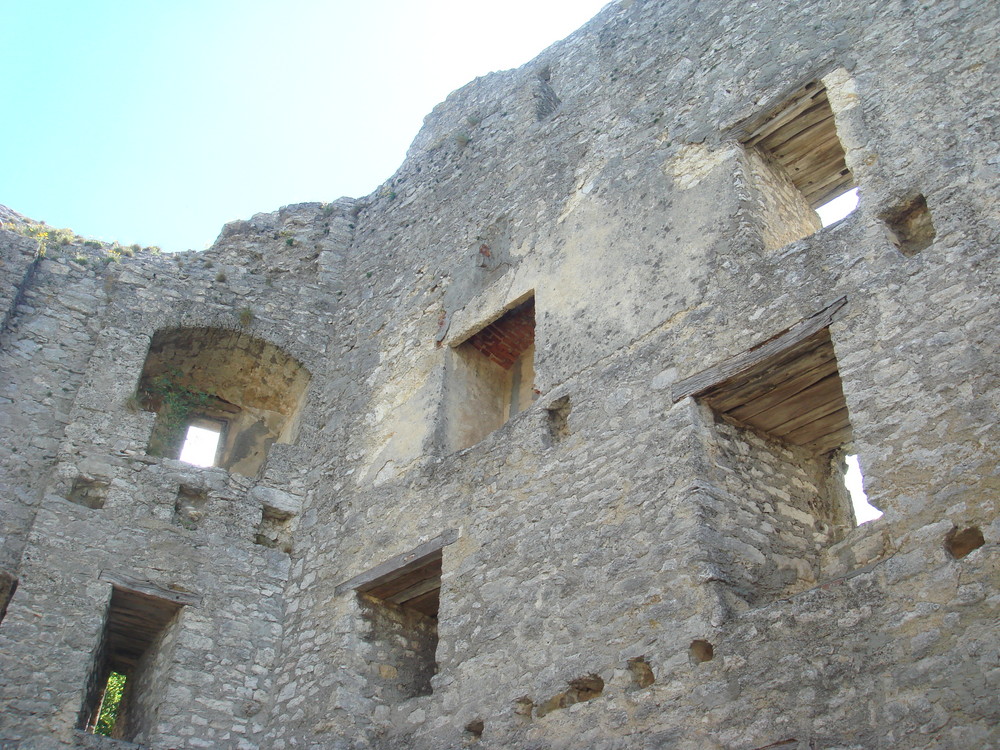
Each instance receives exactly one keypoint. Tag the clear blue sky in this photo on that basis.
(157, 121)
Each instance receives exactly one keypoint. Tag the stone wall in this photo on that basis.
(631, 569)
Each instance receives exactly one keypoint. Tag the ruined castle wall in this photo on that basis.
(609, 524)
(43, 353)
(629, 216)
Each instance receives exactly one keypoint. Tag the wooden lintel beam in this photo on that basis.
(702, 381)
(145, 588)
(398, 565)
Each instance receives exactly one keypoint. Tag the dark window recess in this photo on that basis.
(399, 602)
(492, 376)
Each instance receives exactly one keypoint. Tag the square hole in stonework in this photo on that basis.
(189, 507)
(275, 530)
(910, 227)
(89, 492)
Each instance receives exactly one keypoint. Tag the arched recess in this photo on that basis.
(249, 389)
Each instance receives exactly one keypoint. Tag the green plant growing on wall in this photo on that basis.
(174, 404)
(246, 316)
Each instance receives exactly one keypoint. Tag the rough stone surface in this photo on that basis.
(629, 571)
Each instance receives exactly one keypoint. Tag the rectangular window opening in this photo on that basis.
(111, 703)
(123, 691)
(201, 442)
(399, 601)
(800, 167)
(402, 612)
(492, 376)
(780, 431)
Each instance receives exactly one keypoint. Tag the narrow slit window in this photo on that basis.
(201, 443)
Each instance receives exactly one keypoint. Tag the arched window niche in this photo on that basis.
(248, 391)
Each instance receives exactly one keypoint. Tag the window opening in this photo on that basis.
(800, 167)
(111, 701)
(399, 601)
(201, 443)
(833, 211)
(780, 428)
(493, 376)
(854, 482)
(248, 391)
(136, 629)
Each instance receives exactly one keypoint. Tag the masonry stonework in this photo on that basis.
(632, 564)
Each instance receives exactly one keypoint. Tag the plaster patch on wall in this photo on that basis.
(694, 162)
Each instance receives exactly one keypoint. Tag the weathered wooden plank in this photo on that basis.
(816, 429)
(399, 564)
(831, 441)
(814, 413)
(817, 199)
(767, 399)
(813, 142)
(790, 107)
(784, 370)
(742, 363)
(388, 589)
(821, 184)
(427, 604)
(803, 402)
(819, 112)
(431, 584)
